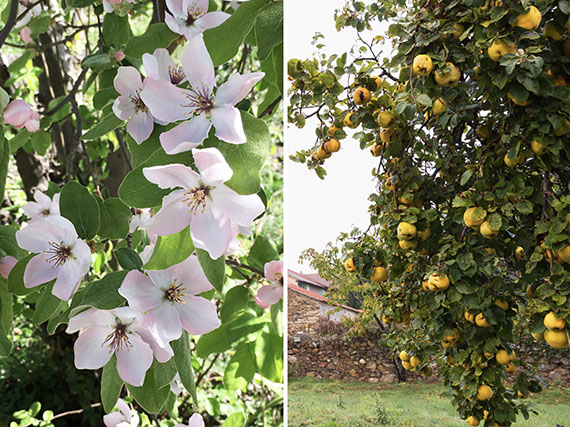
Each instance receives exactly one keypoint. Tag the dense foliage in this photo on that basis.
(469, 117)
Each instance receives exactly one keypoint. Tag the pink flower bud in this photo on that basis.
(6, 265)
(25, 34)
(119, 56)
(17, 113)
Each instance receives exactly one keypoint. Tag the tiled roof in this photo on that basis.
(312, 278)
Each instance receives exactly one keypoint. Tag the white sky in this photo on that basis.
(317, 211)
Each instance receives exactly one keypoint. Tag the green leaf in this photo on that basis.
(41, 141)
(268, 349)
(155, 36)
(5, 343)
(137, 192)
(115, 218)
(213, 342)
(18, 141)
(141, 152)
(240, 370)
(116, 30)
(80, 207)
(524, 207)
(151, 397)
(111, 385)
(233, 32)
(164, 372)
(235, 301)
(269, 28)
(234, 420)
(181, 348)
(261, 253)
(4, 159)
(278, 66)
(466, 177)
(16, 277)
(128, 259)
(424, 99)
(215, 270)
(107, 124)
(39, 25)
(246, 159)
(47, 306)
(170, 250)
(7, 303)
(96, 61)
(4, 99)
(277, 318)
(8, 242)
(103, 293)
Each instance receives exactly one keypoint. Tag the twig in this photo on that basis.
(68, 97)
(123, 147)
(239, 264)
(75, 411)
(10, 22)
(203, 374)
(270, 107)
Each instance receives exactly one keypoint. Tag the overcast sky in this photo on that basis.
(317, 211)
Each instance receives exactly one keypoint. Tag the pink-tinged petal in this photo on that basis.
(191, 32)
(189, 272)
(43, 200)
(198, 315)
(273, 271)
(140, 126)
(55, 204)
(197, 65)
(227, 122)
(17, 113)
(127, 81)
(162, 278)
(174, 24)
(68, 278)
(39, 270)
(37, 235)
(123, 107)
(140, 292)
(237, 87)
(186, 135)
(25, 34)
(196, 421)
(6, 264)
(90, 350)
(164, 322)
(211, 20)
(108, 6)
(65, 229)
(132, 363)
(33, 125)
(175, 7)
(214, 169)
(114, 419)
(157, 65)
(124, 408)
(33, 210)
(212, 232)
(147, 252)
(165, 101)
(92, 318)
(173, 217)
(172, 176)
(268, 295)
(241, 209)
(199, 5)
(119, 56)
(82, 252)
(162, 352)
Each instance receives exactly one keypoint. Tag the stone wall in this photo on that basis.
(361, 359)
(303, 313)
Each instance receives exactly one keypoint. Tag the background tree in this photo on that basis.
(469, 119)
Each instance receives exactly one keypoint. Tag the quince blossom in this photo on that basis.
(43, 207)
(119, 331)
(160, 66)
(123, 418)
(191, 17)
(170, 103)
(25, 34)
(129, 105)
(61, 255)
(195, 420)
(169, 300)
(214, 212)
(270, 294)
(19, 114)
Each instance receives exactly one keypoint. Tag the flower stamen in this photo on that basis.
(118, 339)
(197, 198)
(194, 12)
(175, 293)
(60, 253)
(138, 102)
(201, 99)
(176, 75)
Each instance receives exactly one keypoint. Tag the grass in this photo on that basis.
(318, 403)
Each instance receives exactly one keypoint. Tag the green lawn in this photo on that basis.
(318, 403)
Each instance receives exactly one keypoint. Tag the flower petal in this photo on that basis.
(237, 87)
(273, 271)
(140, 292)
(241, 209)
(199, 5)
(189, 272)
(6, 264)
(175, 7)
(164, 322)
(172, 176)
(173, 217)
(198, 315)
(35, 237)
(211, 20)
(133, 362)
(212, 232)
(227, 122)
(165, 101)
(176, 25)
(113, 419)
(68, 279)
(123, 107)
(43, 200)
(197, 64)
(140, 126)
(186, 135)
(157, 65)
(39, 270)
(90, 350)
(161, 278)
(214, 169)
(196, 421)
(33, 210)
(269, 294)
(91, 318)
(127, 81)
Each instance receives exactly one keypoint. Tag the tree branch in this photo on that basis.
(10, 22)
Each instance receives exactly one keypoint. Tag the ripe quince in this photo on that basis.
(499, 48)
(447, 76)
(422, 65)
(530, 20)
